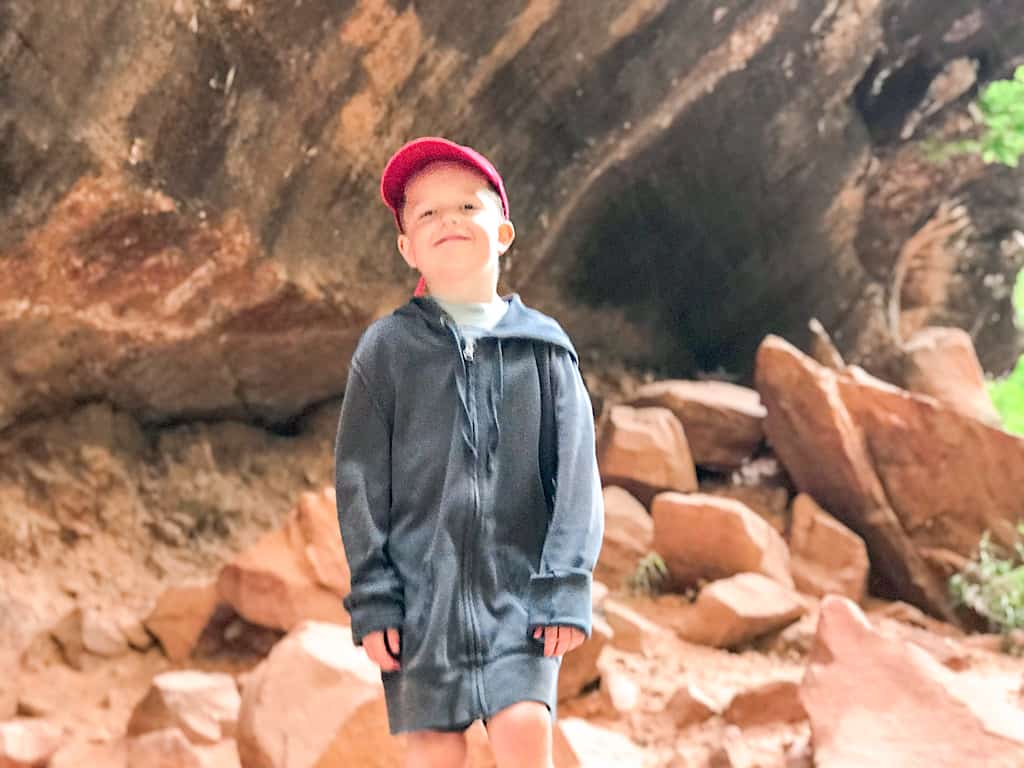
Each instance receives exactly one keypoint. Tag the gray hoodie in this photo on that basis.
(443, 514)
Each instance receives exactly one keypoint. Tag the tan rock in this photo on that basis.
(942, 363)
(628, 535)
(223, 754)
(770, 503)
(166, 748)
(644, 450)
(316, 700)
(705, 537)
(28, 743)
(83, 754)
(826, 556)
(202, 706)
(631, 630)
(619, 693)
(134, 632)
(179, 617)
(734, 611)
(295, 573)
(690, 705)
(824, 448)
(102, 634)
(873, 700)
(722, 421)
(579, 667)
(577, 743)
(776, 701)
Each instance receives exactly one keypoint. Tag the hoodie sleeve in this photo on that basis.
(362, 476)
(560, 593)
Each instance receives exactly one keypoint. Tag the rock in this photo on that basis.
(577, 743)
(619, 693)
(706, 537)
(179, 617)
(28, 743)
(223, 754)
(826, 556)
(879, 701)
(102, 635)
(166, 748)
(104, 754)
(722, 421)
(777, 701)
(295, 573)
(734, 611)
(770, 503)
(942, 363)
(631, 631)
(690, 705)
(316, 700)
(134, 632)
(822, 446)
(203, 707)
(579, 667)
(645, 451)
(628, 533)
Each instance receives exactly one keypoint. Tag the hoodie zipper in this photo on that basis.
(466, 349)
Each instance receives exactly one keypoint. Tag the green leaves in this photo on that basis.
(649, 576)
(1002, 110)
(992, 584)
(1008, 393)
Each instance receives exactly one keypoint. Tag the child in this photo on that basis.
(471, 572)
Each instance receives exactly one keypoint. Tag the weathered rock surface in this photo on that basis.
(28, 743)
(733, 611)
(295, 573)
(628, 536)
(705, 537)
(826, 557)
(916, 711)
(645, 451)
(722, 421)
(201, 706)
(918, 482)
(179, 617)
(316, 700)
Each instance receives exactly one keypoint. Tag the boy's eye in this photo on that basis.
(469, 206)
(427, 212)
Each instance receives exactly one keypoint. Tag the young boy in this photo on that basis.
(471, 571)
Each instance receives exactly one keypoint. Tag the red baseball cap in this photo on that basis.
(419, 153)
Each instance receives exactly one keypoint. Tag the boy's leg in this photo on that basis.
(435, 749)
(520, 736)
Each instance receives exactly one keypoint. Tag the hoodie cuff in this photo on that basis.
(560, 600)
(374, 616)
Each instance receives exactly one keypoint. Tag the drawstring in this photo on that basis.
(496, 431)
(461, 389)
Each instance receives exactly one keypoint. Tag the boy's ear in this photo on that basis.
(506, 234)
(406, 251)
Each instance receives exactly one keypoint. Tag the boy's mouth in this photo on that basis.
(448, 238)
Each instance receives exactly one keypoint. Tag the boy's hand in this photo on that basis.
(559, 640)
(375, 648)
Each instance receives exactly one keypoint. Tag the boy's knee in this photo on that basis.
(526, 717)
(435, 749)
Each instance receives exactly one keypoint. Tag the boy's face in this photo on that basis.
(454, 231)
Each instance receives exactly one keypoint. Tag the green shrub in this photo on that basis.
(1001, 104)
(650, 575)
(1008, 393)
(992, 584)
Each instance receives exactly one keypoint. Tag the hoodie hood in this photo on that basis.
(519, 322)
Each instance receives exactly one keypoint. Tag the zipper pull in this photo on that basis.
(468, 351)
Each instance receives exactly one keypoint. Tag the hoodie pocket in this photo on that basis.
(418, 605)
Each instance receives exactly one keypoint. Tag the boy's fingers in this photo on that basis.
(550, 640)
(564, 638)
(538, 632)
(395, 641)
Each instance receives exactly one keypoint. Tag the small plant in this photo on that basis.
(1001, 105)
(1007, 393)
(992, 584)
(650, 575)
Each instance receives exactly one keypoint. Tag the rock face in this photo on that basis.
(185, 221)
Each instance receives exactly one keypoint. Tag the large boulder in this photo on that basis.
(723, 421)
(703, 538)
(179, 617)
(731, 612)
(826, 557)
(875, 700)
(295, 573)
(919, 482)
(201, 706)
(645, 451)
(315, 701)
(628, 536)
